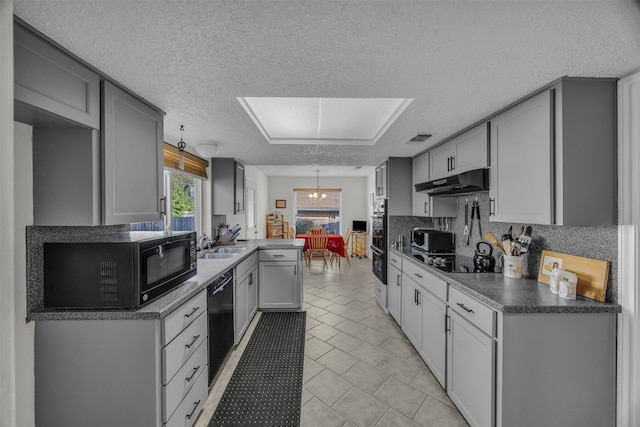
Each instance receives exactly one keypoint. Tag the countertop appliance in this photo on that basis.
(433, 241)
(379, 240)
(466, 182)
(483, 260)
(121, 270)
(220, 318)
(433, 247)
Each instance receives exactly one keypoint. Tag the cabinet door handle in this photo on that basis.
(419, 276)
(193, 374)
(419, 297)
(163, 205)
(492, 207)
(468, 310)
(192, 312)
(398, 279)
(453, 163)
(193, 342)
(415, 296)
(448, 164)
(195, 406)
(426, 207)
(250, 279)
(447, 323)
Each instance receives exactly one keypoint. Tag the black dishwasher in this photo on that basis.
(220, 313)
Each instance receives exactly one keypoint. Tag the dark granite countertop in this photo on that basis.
(507, 295)
(208, 271)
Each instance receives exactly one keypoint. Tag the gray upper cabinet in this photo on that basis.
(398, 188)
(423, 204)
(132, 158)
(97, 154)
(51, 81)
(227, 186)
(551, 150)
(467, 151)
(381, 180)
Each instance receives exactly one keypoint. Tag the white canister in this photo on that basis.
(567, 282)
(553, 280)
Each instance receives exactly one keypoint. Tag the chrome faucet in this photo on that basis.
(204, 241)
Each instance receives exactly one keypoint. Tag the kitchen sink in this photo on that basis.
(223, 250)
(216, 255)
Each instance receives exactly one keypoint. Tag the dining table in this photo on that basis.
(335, 243)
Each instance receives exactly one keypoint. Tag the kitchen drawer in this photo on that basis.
(188, 410)
(279, 255)
(183, 380)
(246, 265)
(428, 281)
(175, 322)
(473, 310)
(182, 347)
(395, 260)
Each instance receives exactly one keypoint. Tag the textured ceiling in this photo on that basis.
(459, 60)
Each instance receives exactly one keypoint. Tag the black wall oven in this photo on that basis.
(379, 240)
(124, 270)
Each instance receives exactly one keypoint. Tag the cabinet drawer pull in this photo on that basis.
(195, 309)
(278, 255)
(195, 371)
(193, 342)
(195, 406)
(418, 275)
(468, 310)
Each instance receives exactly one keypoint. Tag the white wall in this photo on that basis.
(10, 410)
(23, 208)
(371, 190)
(355, 196)
(262, 197)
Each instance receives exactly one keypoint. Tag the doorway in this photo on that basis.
(251, 214)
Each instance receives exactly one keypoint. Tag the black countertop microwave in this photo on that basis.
(123, 270)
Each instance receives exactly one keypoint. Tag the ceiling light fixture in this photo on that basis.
(207, 148)
(317, 194)
(181, 146)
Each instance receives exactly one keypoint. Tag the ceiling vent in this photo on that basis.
(421, 137)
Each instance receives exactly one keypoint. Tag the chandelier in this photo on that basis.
(316, 194)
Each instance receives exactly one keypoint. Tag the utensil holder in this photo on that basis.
(512, 266)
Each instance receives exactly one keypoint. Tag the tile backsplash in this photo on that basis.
(592, 242)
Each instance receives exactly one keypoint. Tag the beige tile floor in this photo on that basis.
(359, 368)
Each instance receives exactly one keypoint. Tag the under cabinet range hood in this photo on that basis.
(466, 182)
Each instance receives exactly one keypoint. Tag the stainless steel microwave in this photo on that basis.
(433, 241)
(124, 270)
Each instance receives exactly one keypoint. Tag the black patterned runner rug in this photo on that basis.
(266, 386)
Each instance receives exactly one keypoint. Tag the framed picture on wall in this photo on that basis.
(281, 204)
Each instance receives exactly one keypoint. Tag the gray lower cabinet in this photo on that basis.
(471, 362)
(280, 279)
(394, 286)
(132, 158)
(245, 295)
(105, 373)
(49, 80)
(423, 316)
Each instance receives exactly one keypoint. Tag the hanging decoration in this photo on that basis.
(181, 146)
(316, 194)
